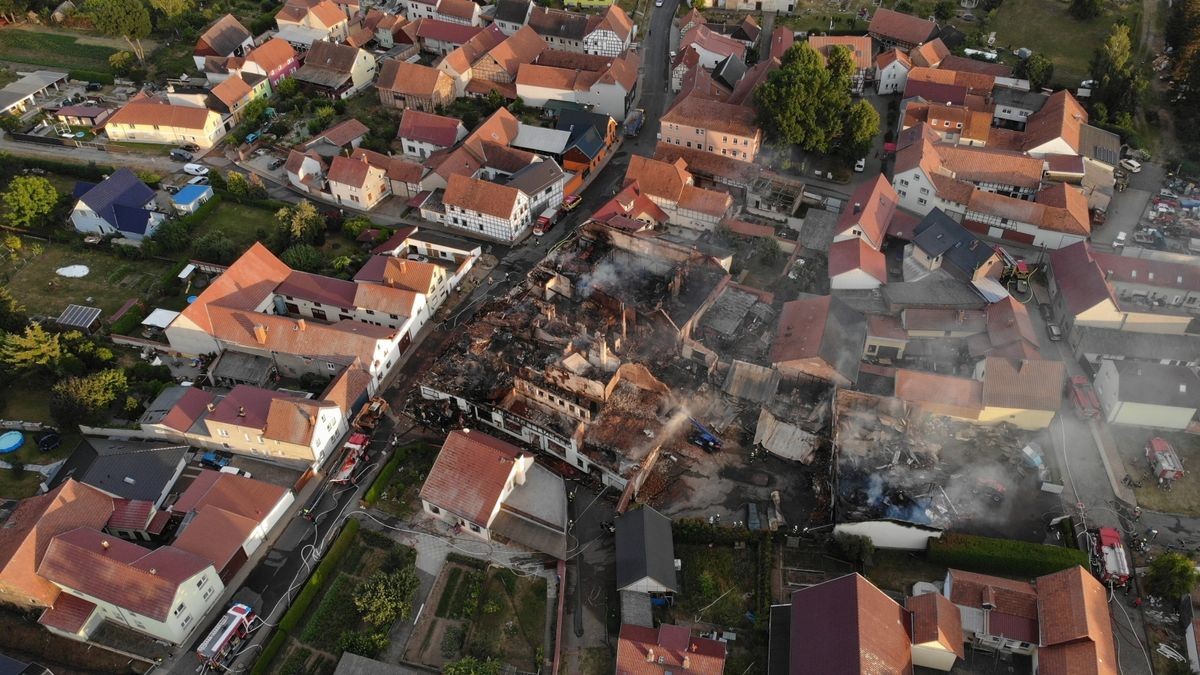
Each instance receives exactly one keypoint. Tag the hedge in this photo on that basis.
(295, 613)
(90, 76)
(263, 665)
(389, 471)
(129, 322)
(1002, 556)
(89, 172)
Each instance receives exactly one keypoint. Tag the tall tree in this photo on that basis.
(31, 351)
(171, 9)
(127, 19)
(1171, 575)
(86, 400)
(1037, 69)
(1119, 87)
(1085, 9)
(303, 257)
(803, 102)
(840, 64)
(12, 313)
(29, 200)
(861, 128)
(300, 224)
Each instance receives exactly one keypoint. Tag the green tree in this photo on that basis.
(127, 19)
(236, 184)
(256, 189)
(386, 597)
(1119, 86)
(12, 123)
(86, 400)
(840, 64)
(33, 350)
(171, 9)
(861, 128)
(356, 226)
(300, 224)
(469, 665)
(944, 10)
(364, 644)
(341, 263)
(803, 102)
(13, 9)
(1171, 575)
(856, 547)
(303, 257)
(121, 63)
(13, 245)
(12, 313)
(29, 200)
(1037, 69)
(172, 236)
(1085, 9)
(216, 247)
(287, 87)
(254, 111)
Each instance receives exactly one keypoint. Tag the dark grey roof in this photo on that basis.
(1026, 100)
(120, 200)
(589, 143)
(1137, 346)
(512, 11)
(1100, 145)
(558, 23)
(536, 177)
(327, 64)
(225, 36)
(576, 121)
(125, 468)
(729, 70)
(78, 316)
(645, 548)
(779, 641)
(939, 235)
(430, 237)
(844, 337)
(1156, 384)
(939, 290)
(353, 664)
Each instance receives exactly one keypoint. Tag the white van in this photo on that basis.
(1131, 165)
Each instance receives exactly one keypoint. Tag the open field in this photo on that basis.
(1049, 28)
(242, 223)
(110, 282)
(53, 50)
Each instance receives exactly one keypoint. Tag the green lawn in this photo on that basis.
(52, 50)
(718, 580)
(242, 223)
(163, 149)
(511, 621)
(111, 280)
(1048, 28)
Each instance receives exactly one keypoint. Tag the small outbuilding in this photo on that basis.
(191, 197)
(645, 552)
(81, 318)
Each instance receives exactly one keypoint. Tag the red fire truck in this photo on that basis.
(1165, 465)
(355, 452)
(1083, 395)
(226, 635)
(1110, 557)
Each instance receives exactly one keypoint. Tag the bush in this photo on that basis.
(364, 644)
(335, 612)
(91, 76)
(128, 324)
(382, 480)
(1002, 556)
(452, 641)
(295, 613)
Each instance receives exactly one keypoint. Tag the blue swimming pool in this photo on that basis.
(10, 441)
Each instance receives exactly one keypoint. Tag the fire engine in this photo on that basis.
(227, 634)
(355, 451)
(1110, 558)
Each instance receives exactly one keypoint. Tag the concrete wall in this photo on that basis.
(888, 534)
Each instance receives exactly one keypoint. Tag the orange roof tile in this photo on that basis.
(470, 474)
(1060, 117)
(650, 651)
(860, 46)
(870, 208)
(480, 196)
(714, 116)
(936, 619)
(145, 111)
(272, 54)
(658, 179)
(411, 79)
(1022, 385)
(930, 54)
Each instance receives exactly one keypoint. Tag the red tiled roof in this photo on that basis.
(1073, 608)
(396, 240)
(246, 497)
(245, 406)
(69, 613)
(860, 46)
(801, 328)
(272, 54)
(1023, 385)
(428, 128)
(930, 54)
(215, 535)
(878, 203)
(444, 31)
(855, 254)
(946, 394)
(712, 42)
(1080, 278)
(901, 27)
(649, 651)
(343, 133)
(1060, 117)
(480, 196)
(782, 39)
(33, 523)
(130, 514)
(713, 116)
(459, 9)
(885, 59)
(189, 408)
(470, 474)
(936, 619)
(144, 111)
(847, 625)
(118, 572)
(243, 285)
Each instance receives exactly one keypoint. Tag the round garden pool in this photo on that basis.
(10, 441)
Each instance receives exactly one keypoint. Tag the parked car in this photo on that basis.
(276, 163)
(860, 165)
(1120, 240)
(93, 86)
(417, 257)
(571, 203)
(251, 137)
(1053, 332)
(1046, 311)
(214, 460)
(180, 155)
(195, 169)
(235, 471)
(171, 189)
(1131, 165)
(199, 180)
(190, 147)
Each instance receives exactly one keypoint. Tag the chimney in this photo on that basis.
(241, 411)
(686, 662)
(649, 656)
(104, 544)
(153, 570)
(260, 334)
(857, 207)
(210, 407)
(300, 324)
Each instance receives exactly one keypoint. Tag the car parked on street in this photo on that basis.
(1046, 312)
(199, 180)
(276, 163)
(181, 155)
(1053, 332)
(195, 169)
(860, 165)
